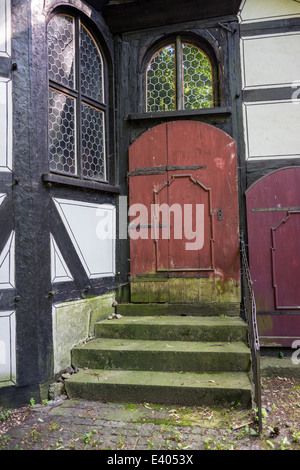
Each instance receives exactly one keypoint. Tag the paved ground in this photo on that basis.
(88, 425)
(81, 425)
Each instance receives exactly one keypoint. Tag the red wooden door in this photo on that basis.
(183, 205)
(273, 217)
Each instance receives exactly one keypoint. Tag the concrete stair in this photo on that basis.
(164, 359)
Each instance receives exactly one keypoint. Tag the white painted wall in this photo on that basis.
(7, 257)
(5, 28)
(92, 229)
(271, 61)
(253, 11)
(5, 124)
(272, 129)
(7, 348)
(5, 90)
(7, 264)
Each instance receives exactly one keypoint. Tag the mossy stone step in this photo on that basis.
(105, 353)
(170, 388)
(174, 328)
(205, 309)
(170, 354)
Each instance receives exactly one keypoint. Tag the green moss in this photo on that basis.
(184, 290)
(74, 322)
(210, 418)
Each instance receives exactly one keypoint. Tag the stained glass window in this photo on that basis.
(179, 76)
(77, 108)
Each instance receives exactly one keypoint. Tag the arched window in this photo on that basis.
(180, 76)
(77, 101)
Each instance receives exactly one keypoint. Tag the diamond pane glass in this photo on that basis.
(61, 50)
(91, 67)
(161, 81)
(62, 133)
(197, 78)
(92, 137)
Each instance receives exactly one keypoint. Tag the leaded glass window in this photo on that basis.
(77, 105)
(179, 76)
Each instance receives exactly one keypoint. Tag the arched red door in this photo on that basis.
(183, 207)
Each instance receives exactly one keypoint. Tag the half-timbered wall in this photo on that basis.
(270, 69)
(270, 64)
(59, 273)
(82, 258)
(58, 268)
(7, 233)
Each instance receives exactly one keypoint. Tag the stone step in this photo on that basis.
(206, 309)
(174, 328)
(170, 388)
(127, 354)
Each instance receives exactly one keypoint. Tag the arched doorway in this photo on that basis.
(183, 207)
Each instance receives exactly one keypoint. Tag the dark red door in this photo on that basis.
(273, 215)
(184, 210)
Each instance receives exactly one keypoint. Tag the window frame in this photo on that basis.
(79, 22)
(177, 40)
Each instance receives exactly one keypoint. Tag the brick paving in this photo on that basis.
(82, 425)
(126, 429)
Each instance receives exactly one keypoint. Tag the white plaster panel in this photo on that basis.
(270, 60)
(2, 197)
(7, 347)
(264, 10)
(73, 323)
(91, 228)
(7, 264)
(272, 129)
(5, 28)
(59, 269)
(5, 124)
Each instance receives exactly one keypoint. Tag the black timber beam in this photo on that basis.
(98, 4)
(123, 16)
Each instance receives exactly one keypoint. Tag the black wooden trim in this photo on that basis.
(79, 183)
(83, 196)
(222, 111)
(65, 292)
(269, 27)
(6, 181)
(6, 67)
(6, 221)
(98, 4)
(159, 276)
(69, 292)
(137, 15)
(268, 94)
(161, 170)
(8, 299)
(102, 285)
(259, 168)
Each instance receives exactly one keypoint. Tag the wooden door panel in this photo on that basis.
(142, 243)
(286, 262)
(190, 242)
(149, 151)
(273, 219)
(191, 165)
